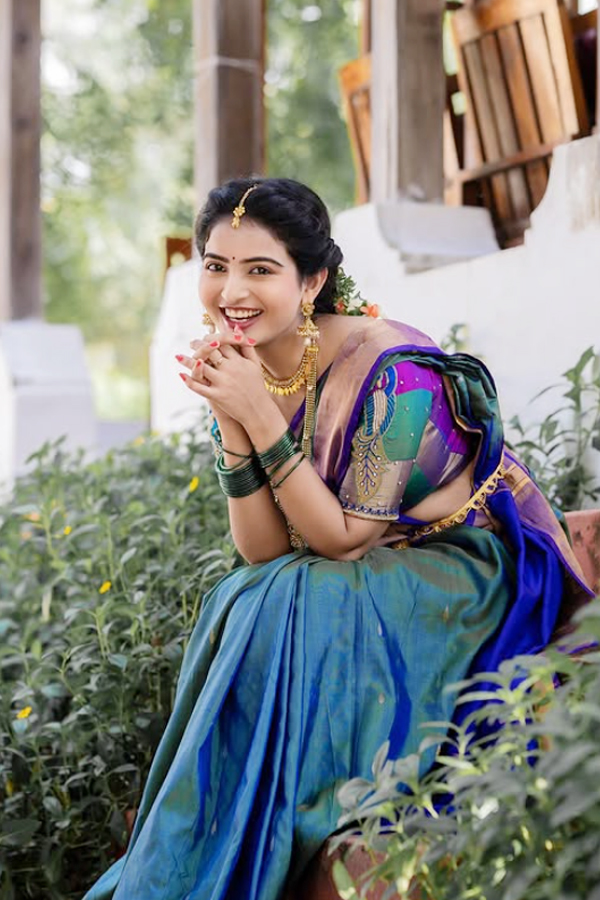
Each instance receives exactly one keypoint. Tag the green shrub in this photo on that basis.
(102, 572)
(560, 450)
(516, 819)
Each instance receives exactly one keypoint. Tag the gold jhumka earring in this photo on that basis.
(206, 320)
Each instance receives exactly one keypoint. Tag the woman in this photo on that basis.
(395, 547)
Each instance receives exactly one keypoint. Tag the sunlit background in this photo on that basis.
(117, 150)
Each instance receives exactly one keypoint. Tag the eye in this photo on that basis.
(260, 270)
(213, 267)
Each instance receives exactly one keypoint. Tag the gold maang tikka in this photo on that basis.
(240, 209)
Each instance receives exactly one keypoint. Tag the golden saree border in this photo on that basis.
(477, 501)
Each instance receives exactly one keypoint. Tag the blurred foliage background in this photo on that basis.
(117, 151)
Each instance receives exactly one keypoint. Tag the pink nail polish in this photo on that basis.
(214, 344)
(251, 341)
(179, 357)
(237, 337)
(182, 376)
(198, 363)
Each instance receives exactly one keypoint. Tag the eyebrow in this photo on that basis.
(250, 259)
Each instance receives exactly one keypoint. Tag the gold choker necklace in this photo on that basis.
(306, 373)
(284, 387)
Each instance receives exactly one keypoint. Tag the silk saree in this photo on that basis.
(299, 669)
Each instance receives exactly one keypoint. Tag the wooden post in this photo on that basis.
(229, 37)
(365, 27)
(20, 133)
(597, 125)
(408, 99)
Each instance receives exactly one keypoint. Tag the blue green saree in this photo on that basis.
(299, 669)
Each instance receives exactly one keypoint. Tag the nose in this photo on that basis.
(234, 289)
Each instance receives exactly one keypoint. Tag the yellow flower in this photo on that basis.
(194, 484)
(32, 517)
(104, 587)
(139, 440)
(24, 713)
(67, 529)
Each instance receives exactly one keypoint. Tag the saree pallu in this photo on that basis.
(298, 670)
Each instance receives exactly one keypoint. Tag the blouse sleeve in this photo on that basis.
(406, 446)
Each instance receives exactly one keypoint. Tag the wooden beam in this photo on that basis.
(408, 99)
(229, 38)
(20, 134)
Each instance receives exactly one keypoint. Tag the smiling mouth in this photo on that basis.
(240, 314)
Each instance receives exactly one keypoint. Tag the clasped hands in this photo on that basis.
(224, 368)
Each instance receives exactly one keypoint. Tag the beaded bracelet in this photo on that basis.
(279, 452)
(291, 469)
(241, 480)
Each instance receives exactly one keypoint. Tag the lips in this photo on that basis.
(243, 318)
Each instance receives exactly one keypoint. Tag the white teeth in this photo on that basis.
(242, 313)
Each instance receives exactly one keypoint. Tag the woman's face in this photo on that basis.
(249, 279)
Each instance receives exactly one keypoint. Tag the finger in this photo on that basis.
(229, 352)
(231, 338)
(211, 340)
(199, 370)
(197, 387)
(204, 350)
(188, 361)
(207, 372)
(249, 352)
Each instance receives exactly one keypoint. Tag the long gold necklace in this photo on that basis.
(305, 374)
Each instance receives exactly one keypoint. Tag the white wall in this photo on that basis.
(45, 393)
(531, 311)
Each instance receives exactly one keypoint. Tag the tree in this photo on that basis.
(306, 136)
(117, 156)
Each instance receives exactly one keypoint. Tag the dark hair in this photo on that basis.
(293, 213)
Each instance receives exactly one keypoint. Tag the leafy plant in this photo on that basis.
(559, 449)
(102, 572)
(513, 819)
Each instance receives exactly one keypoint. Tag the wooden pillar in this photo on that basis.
(365, 27)
(20, 133)
(408, 98)
(597, 126)
(229, 37)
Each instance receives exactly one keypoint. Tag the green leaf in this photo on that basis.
(18, 832)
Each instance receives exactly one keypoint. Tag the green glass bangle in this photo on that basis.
(289, 472)
(240, 480)
(282, 450)
(238, 455)
(281, 463)
(219, 448)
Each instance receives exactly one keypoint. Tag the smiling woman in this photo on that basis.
(396, 546)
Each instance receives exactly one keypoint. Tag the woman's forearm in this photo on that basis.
(258, 527)
(313, 510)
